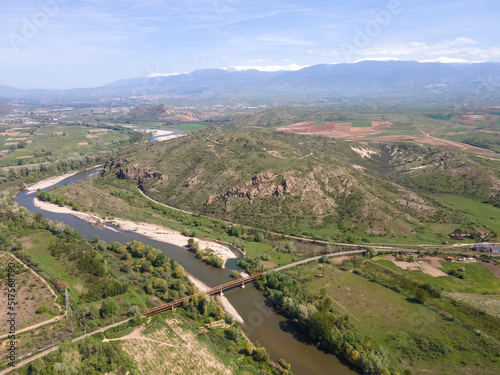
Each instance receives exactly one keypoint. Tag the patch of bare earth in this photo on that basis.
(425, 267)
(493, 268)
(32, 292)
(431, 270)
(337, 260)
(172, 351)
(268, 265)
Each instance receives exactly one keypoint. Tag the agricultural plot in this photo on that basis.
(174, 346)
(34, 299)
(422, 266)
(426, 130)
(55, 141)
(337, 129)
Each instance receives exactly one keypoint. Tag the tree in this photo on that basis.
(219, 312)
(259, 237)
(261, 355)
(71, 360)
(284, 364)
(179, 272)
(231, 333)
(109, 307)
(323, 292)
(93, 313)
(422, 295)
(235, 274)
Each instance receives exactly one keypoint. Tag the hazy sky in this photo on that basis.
(87, 43)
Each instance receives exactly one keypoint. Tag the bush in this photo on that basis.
(261, 355)
(42, 310)
(109, 307)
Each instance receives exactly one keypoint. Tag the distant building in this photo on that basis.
(481, 247)
(495, 249)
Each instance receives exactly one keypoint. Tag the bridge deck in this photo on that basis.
(211, 291)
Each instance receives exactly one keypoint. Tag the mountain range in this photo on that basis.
(362, 80)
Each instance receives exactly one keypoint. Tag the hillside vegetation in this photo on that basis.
(315, 186)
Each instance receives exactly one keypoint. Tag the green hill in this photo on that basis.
(315, 186)
(280, 116)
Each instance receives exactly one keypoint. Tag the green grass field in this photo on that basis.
(390, 132)
(361, 124)
(188, 127)
(410, 333)
(36, 245)
(477, 279)
(61, 141)
(475, 210)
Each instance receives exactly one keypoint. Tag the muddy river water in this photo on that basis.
(261, 322)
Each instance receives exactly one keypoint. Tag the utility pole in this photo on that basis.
(69, 312)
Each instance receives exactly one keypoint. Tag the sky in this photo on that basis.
(60, 44)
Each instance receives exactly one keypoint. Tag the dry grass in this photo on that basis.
(163, 352)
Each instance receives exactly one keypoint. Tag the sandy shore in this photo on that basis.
(51, 181)
(164, 135)
(54, 180)
(223, 301)
(152, 231)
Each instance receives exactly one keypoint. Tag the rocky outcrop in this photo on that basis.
(134, 171)
(263, 177)
(266, 185)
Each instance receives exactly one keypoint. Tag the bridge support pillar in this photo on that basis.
(243, 285)
(221, 294)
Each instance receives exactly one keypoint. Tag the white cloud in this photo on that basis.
(447, 47)
(257, 61)
(459, 50)
(282, 40)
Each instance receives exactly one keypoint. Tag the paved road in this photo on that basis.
(286, 235)
(317, 258)
(335, 255)
(44, 353)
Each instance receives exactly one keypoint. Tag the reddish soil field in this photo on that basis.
(470, 119)
(381, 125)
(345, 131)
(331, 128)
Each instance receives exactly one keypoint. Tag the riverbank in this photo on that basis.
(152, 231)
(163, 135)
(222, 300)
(55, 180)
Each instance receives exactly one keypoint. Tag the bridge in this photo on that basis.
(215, 290)
(241, 282)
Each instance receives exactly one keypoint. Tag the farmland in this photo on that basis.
(414, 335)
(429, 129)
(34, 298)
(28, 145)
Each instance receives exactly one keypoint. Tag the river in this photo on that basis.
(261, 322)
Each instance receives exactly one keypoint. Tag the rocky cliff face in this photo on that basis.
(308, 189)
(132, 171)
